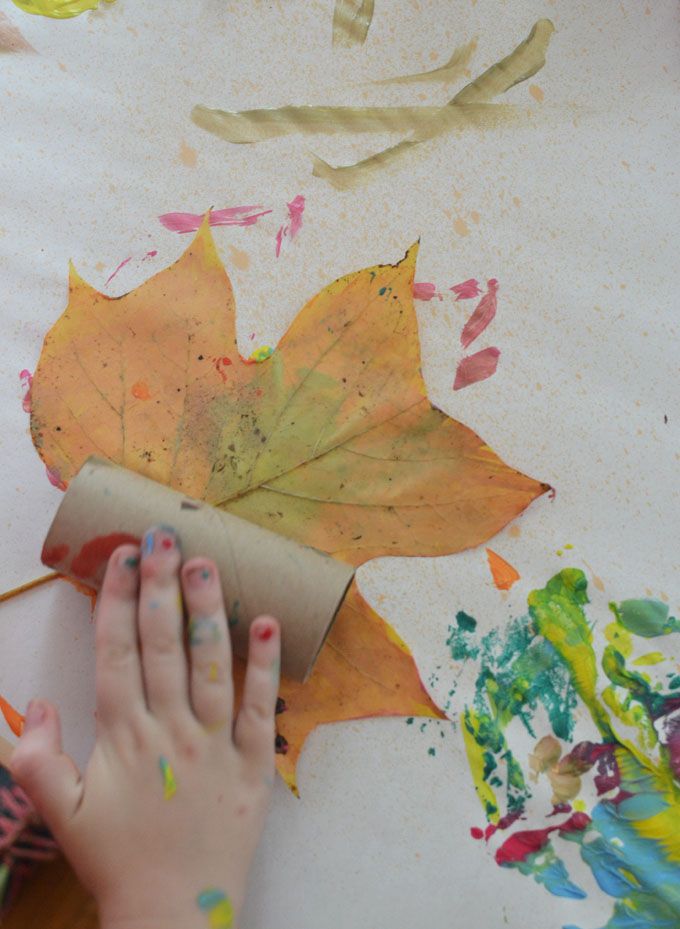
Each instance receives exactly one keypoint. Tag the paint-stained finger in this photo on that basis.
(211, 687)
(161, 625)
(255, 729)
(120, 692)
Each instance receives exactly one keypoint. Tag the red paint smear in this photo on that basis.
(584, 755)
(482, 316)
(14, 719)
(220, 364)
(466, 289)
(54, 477)
(121, 265)
(54, 555)
(476, 367)
(423, 291)
(93, 554)
(264, 635)
(230, 216)
(503, 823)
(503, 573)
(522, 844)
(26, 383)
(476, 832)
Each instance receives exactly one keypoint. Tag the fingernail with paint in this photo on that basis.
(159, 539)
(199, 575)
(131, 562)
(264, 633)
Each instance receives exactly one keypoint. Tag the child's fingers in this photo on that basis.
(39, 766)
(255, 729)
(211, 685)
(160, 624)
(119, 673)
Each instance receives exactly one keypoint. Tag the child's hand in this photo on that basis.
(164, 823)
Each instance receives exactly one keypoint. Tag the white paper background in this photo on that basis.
(578, 220)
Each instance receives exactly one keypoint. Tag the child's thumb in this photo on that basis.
(40, 767)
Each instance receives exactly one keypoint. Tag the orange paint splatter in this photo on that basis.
(461, 227)
(239, 258)
(536, 93)
(503, 573)
(14, 719)
(140, 390)
(515, 531)
(187, 155)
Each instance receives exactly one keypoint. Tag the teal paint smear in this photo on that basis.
(550, 871)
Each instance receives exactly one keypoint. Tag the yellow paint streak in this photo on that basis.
(351, 21)
(245, 127)
(454, 68)
(650, 658)
(58, 9)
(475, 754)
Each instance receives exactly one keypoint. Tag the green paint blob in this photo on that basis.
(647, 618)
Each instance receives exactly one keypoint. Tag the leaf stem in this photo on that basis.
(29, 585)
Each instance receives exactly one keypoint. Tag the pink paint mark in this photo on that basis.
(476, 832)
(522, 844)
(482, 316)
(466, 289)
(151, 254)
(296, 208)
(230, 216)
(476, 367)
(121, 265)
(279, 239)
(54, 478)
(26, 379)
(423, 291)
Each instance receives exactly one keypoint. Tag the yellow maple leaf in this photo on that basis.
(331, 440)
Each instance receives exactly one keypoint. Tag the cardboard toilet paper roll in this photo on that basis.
(261, 572)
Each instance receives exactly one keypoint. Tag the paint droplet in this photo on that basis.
(461, 227)
(536, 93)
(140, 390)
(476, 832)
(515, 531)
(475, 217)
(187, 155)
(239, 258)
